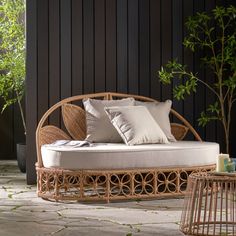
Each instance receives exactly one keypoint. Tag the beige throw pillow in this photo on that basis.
(135, 125)
(160, 112)
(99, 127)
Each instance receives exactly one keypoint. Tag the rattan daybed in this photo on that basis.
(86, 174)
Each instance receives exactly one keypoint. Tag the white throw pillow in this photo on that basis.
(160, 112)
(99, 127)
(136, 125)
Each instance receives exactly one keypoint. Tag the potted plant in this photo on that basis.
(12, 60)
(215, 34)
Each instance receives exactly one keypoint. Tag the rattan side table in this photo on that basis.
(209, 205)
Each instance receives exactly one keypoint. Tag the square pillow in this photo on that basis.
(136, 125)
(99, 127)
(160, 112)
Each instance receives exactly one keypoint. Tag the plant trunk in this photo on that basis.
(22, 114)
(227, 141)
(226, 134)
(226, 125)
(224, 121)
(230, 103)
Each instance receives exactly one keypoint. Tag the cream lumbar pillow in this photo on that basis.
(135, 125)
(99, 127)
(160, 112)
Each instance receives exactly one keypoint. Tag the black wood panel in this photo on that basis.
(144, 44)
(177, 52)
(166, 41)
(43, 62)
(233, 133)
(99, 42)
(88, 33)
(54, 58)
(65, 34)
(188, 60)
(6, 133)
(11, 131)
(155, 47)
(122, 46)
(82, 46)
(210, 78)
(220, 136)
(133, 46)
(111, 75)
(199, 6)
(77, 46)
(31, 88)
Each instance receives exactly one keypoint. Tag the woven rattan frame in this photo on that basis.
(61, 184)
(209, 206)
(109, 185)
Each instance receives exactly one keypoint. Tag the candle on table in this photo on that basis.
(222, 160)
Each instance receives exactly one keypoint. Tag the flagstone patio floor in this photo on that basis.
(23, 213)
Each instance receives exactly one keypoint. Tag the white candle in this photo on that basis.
(220, 163)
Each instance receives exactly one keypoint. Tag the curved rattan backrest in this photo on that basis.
(74, 120)
(108, 96)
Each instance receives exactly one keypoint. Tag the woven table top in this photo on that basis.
(214, 176)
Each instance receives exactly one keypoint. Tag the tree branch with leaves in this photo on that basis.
(215, 33)
(12, 54)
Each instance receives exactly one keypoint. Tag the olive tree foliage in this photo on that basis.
(215, 34)
(12, 53)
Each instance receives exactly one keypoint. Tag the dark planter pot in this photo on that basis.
(21, 156)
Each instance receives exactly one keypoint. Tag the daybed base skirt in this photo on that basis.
(94, 185)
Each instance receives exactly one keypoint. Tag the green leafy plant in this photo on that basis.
(215, 34)
(12, 53)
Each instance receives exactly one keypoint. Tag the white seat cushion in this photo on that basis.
(121, 156)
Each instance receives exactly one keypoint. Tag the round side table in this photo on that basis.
(209, 205)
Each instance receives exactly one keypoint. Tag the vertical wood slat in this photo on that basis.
(122, 37)
(166, 41)
(210, 78)
(111, 51)
(232, 137)
(155, 47)
(188, 60)
(220, 137)
(43, 52)
(144, 59)
(6, 133)
(77, 46)
(65, 51)
(177, 36)
(54, 58)
(133, 46)
(86, 46)
(198, 68)
(99, 42)
(31, 88)
(65, 35)
(88, 34)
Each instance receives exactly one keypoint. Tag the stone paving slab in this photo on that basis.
(23, 213)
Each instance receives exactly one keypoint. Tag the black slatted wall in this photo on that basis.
(11, 131)
(85, 46)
